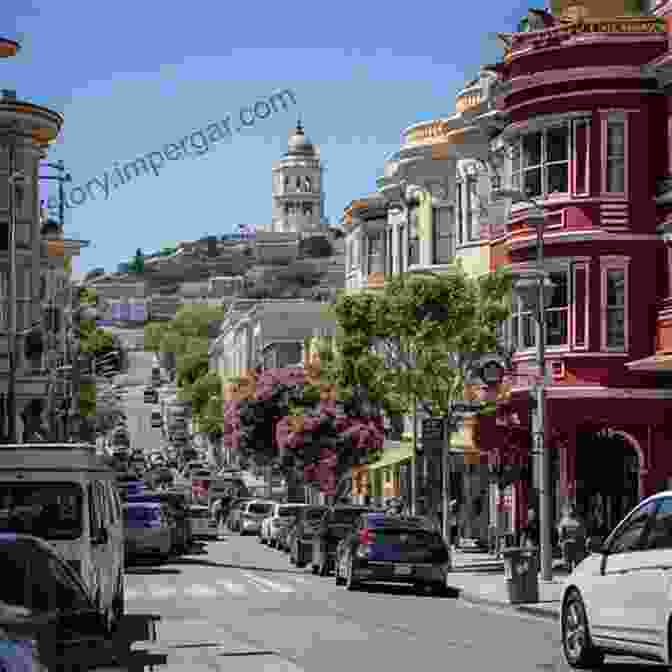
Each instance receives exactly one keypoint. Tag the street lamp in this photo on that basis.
(537, 289)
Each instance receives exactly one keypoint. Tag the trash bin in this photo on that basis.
(521, 569)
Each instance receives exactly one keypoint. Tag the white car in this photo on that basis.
(619, 599)
(252, 515)
(281, 517)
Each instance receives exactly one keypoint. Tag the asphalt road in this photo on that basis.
(138, 413)
(242, 607)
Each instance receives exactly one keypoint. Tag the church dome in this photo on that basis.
(299, 144)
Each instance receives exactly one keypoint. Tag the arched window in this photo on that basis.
(308, 184)
(298, 184)
(307, 208)
(286, 183)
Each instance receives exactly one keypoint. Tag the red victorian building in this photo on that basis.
(587, 133)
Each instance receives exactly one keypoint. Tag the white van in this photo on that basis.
(66, 495)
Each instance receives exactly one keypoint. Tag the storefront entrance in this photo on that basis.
(607, 479)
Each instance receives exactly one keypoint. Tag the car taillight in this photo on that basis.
(366, 537)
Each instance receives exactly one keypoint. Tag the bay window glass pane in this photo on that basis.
(615, 328)
(532, 185)
(615, 138)
(615, 289)
(560, 298)
(557, 144)
(556, 326)
(558, 179)
(515, 158)
(532, 149)
(529, 331)
(616, 176)
(515, 326)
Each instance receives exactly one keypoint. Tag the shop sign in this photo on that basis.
(646, 25)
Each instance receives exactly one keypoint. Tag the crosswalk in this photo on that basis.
(250, 584)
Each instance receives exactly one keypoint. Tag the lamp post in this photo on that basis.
(540, 285)
(61, 178)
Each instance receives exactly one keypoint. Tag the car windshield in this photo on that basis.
(259, 508)
(288, 511)
(142, 513)
(47, 510)
(346, 516)
(36, 580)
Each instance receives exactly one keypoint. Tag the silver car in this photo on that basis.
(253, 514)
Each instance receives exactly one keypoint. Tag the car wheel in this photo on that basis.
(580, 653)
(439, 589)
(118, 605)
(272, 543)
(300, 562)
(351, 583)
(314, 569)
(340, 581)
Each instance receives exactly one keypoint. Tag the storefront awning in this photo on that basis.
(395, 452)
(661, 363)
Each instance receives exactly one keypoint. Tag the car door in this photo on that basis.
(610, 594)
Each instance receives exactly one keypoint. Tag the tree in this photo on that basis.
(206, 400)
(153, 334)
(418, 337)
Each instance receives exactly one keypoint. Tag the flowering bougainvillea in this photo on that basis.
(290, 413)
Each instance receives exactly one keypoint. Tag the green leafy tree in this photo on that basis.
(206, 399)
(153, 334)
(417, 337)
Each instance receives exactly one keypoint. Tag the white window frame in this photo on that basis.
(565, 267)
(459, 211)
(585, 266)
(517, 144)
(607, 117)
(614, 263)
(580, 190)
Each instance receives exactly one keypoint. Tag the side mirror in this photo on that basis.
(596, 545)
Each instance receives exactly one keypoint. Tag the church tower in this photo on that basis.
(297, 188)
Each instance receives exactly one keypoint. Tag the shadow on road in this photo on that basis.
(147, 570)
(397, 589)
(228, 565)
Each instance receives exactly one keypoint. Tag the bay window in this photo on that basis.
(473, 209)
(540, 162)
(614, 305)
(401, 254)
(523, 327)
(459, 212)
(413, 239)
(443, 239)
(614, 156)
(375, 253)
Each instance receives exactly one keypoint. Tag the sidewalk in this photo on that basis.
(479, 578)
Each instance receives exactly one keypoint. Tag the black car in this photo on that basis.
(334, 526)
(307, 522)
(46, 612)
(392, 549)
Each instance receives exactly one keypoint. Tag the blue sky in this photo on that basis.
(131, 77)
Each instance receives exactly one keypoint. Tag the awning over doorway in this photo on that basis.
(394, 452)
(660, 362)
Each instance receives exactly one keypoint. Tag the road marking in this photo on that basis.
(231, 587)
(163, 591)
(199, 590)
(277, 587)
(259, 586)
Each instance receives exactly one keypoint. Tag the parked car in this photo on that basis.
(235, 513)
(147, 528)
(334, 526)
(252, 515)
(281, 516)
(180, 528)
(203, 525)
(307, 521)
(617, 601)
(389, 549)
(46, 611)
(66, 495)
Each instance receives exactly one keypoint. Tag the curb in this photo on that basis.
(532, 609)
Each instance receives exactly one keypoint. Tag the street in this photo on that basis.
(241, 606)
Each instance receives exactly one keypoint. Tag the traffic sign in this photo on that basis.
(467, 407)
(432, 429)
